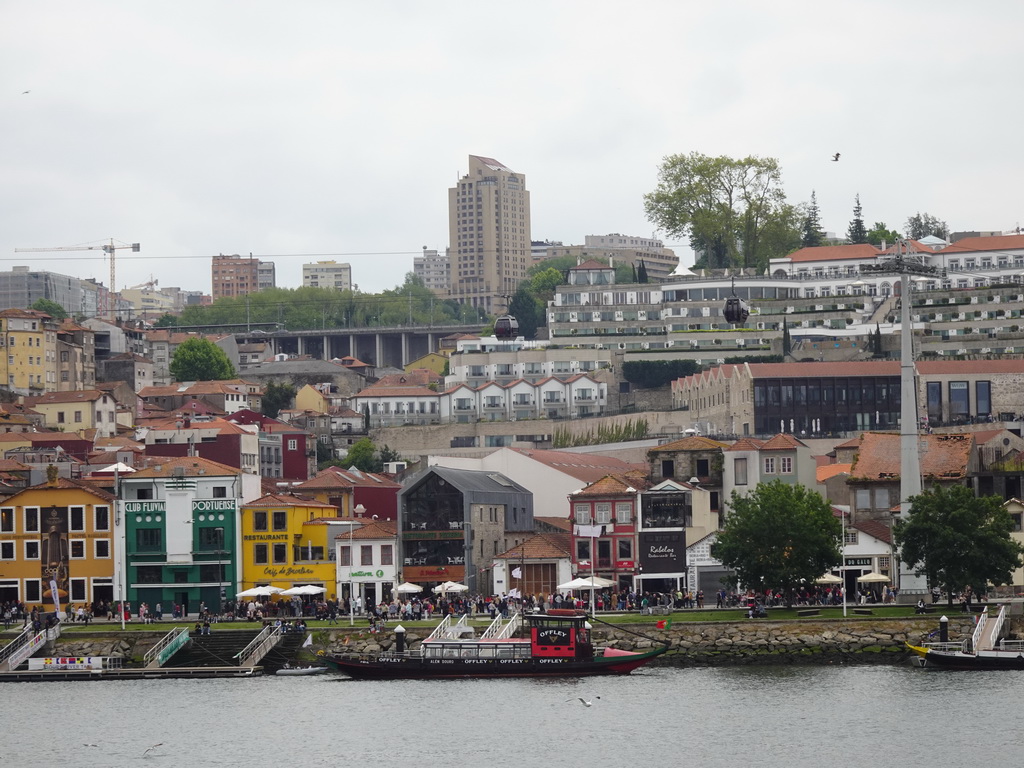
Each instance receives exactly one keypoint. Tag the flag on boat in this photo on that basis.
(664, 624)
(517, 573)
(309, 641)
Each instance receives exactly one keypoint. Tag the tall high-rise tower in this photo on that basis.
(489, 231)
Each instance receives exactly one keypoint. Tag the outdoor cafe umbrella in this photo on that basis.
(587, 583)
(406, 588)
(259, 592)
(829, 578)
(450, 586)
(873, 578)
(305, 589)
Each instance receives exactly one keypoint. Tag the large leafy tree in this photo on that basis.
(881, 232)
(923, 224)
(957, 539)
(734, 211)
(277, 396)
(200, 360)
(857, 233)
(52, 308)
(779, 536)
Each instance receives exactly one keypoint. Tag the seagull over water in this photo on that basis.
(584, 702)
(835, 158)
(151, 748)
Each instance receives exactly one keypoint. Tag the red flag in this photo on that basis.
(664, 624)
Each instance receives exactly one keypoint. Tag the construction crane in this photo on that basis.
(107, 248)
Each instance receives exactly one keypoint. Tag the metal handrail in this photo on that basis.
(259, 648)
(997, 626)
(979, 630)
(171, 639)
(441, 628)
(30, 647)
(8, 650)
(499, 629)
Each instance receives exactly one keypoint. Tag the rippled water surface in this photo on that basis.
(790, 716)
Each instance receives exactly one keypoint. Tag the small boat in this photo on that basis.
(980, 651)
(289, 671)
(558, 645)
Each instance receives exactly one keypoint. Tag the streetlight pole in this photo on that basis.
(351, 564)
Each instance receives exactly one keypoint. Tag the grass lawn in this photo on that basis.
(678, 617)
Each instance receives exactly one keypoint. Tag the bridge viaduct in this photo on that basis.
(394, 346)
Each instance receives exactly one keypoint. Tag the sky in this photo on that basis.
(332, 130)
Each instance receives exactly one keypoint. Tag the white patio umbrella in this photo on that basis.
(587, 583)
(265, 591)
(829, 578)
(873, 578)
(304, 589)
(450, 586)
(405, 588)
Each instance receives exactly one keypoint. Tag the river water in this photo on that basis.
(775, 716)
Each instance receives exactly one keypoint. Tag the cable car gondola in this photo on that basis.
(736, 310)
(506, 327)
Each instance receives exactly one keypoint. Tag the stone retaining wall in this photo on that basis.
(720, 643)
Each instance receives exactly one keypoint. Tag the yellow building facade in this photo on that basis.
(28, 348)
(287, 542)
(57, 540)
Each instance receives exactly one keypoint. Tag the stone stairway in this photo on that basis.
(217, 649)
(285, 651)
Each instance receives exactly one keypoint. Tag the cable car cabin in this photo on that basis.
(506, 327)
(736, 310)
(561, 634)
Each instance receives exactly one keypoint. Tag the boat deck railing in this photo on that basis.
(951, 647)
(501, 629)
(446, 630)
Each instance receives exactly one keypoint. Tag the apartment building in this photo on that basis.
(489, 233)
(434, 269)
(327, 274)
(238, 275)
(28, 349)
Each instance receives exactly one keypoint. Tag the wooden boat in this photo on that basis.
(290, 671)
(557, 645)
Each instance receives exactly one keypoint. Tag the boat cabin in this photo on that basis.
(559, 633)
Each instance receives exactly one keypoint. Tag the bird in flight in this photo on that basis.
(90, 745)
(151, 748)
(584, 702)
(835, 158)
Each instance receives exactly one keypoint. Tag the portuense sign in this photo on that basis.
(214, 505)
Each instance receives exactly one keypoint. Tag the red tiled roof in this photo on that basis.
(835, 253)
(541, 546)
(782, 442)
(335, 477)
(555, 522)
(746, 444)
(691, 443)
(875, 528)
(610, 485)
(591, 264)
(68, 484)
(995, 243)
(191, 466)
(79, 396)
(943, 457)
(287, 500)
(826, 471)
(588, 467)
(372, 529)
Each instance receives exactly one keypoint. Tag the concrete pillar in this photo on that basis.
(405, 348)
(300, 345)
(327, 347)
(379, 346)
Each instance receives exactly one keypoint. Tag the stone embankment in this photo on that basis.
(754, 641)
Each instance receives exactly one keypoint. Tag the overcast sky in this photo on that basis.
(335, 128)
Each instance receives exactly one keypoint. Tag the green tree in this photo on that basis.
(657, 373)
(166, 320)
(200, 360)
(924, 224)
(881, 233)
(812, 233)
(641, 272)
(727, 207)
(276, 397)
(52, 308)
(362, 455)
(857, 233)
(958, 540)
(787, 340)
(779, 536)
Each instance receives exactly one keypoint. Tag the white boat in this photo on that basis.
(300, 671)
